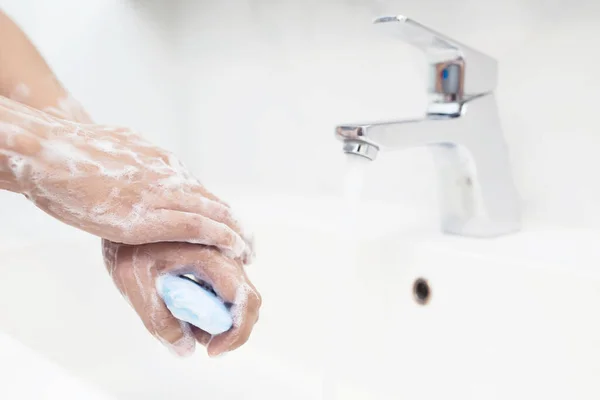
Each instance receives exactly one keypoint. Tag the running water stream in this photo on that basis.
(345, 290)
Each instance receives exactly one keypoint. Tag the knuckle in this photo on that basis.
(255, 300)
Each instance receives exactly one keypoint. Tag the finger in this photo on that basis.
(136, 281)
(204, 203)
(206, 207)
(210, 265)
(250, 253)
(245, 314)
(242, 229)
(201, 337)
(231, 284)
(177, 226)
(247, 235)
(202, 191)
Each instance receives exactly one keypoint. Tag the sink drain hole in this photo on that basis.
(421, 291)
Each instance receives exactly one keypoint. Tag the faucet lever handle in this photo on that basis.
(448, 59)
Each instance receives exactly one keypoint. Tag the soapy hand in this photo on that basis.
(135, 270)
(112, 183)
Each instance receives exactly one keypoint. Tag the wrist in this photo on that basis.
(18, 147)
(15, 158)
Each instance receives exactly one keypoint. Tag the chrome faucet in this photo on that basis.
(462, 128)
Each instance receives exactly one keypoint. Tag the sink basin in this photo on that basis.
(392, 309)
(27, 375)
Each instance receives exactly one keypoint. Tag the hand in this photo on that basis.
(134, 270)
(114, 184)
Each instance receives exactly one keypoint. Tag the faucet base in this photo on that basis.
(476, 199)
(482, 229)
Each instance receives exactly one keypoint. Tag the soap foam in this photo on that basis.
(238, 310)
(58, 178)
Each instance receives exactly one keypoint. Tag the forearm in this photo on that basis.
(26, 77)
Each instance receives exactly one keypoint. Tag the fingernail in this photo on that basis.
(246, 233)
(184, 347)
(248, 256)
(238, 248)
(183, 352)
(215, 354)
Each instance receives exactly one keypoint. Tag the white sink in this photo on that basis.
(27, 375)
(515, 317)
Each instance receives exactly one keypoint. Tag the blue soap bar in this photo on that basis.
(190, 302)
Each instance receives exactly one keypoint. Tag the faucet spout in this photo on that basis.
(477, 194)
(361, 148)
